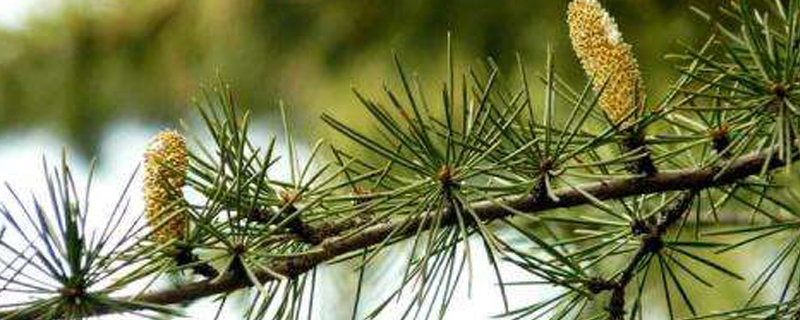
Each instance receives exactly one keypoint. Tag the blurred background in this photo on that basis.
(77, 67)
(101, 76)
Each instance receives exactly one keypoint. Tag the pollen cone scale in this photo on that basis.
(605, 57)
(165, 166)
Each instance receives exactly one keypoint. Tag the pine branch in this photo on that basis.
(334, 246)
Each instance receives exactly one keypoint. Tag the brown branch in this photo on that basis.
(334, 246)
(651, 243)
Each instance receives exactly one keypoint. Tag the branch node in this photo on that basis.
(184, 256)
(633, 140)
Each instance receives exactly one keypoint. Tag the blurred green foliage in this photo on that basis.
(88, 64)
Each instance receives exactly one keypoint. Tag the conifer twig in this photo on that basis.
(334, 246)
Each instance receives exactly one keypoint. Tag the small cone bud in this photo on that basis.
(605, 57)
(165, 166)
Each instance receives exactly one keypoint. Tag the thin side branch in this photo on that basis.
(651, 243)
